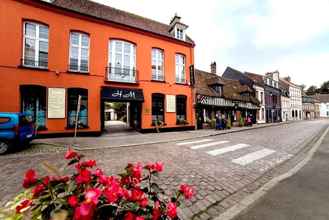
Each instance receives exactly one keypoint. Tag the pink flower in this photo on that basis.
(158, 166)
(129, 216)
(84, 212)
(143, 202)
(139, 218)
(187, 191)
(92, 195)
(98, 172)
(137, 171)
(171, 210)
(23, 205)
(72, 201)
(70, 154)
(30, 178)
(84, 177)
(36, 191)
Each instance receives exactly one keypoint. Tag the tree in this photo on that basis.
(324, 87)
(311, 90)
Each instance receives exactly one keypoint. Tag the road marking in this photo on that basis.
(249, 158)
(208, 144)
(194, 142)
(227, 149)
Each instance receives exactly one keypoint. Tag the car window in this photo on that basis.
(24, 120)
(4, 120)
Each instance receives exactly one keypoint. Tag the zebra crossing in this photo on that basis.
(254, 154)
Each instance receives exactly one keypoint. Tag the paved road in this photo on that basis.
(304, 196)
(217, 166)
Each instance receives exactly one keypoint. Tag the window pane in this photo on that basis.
(85, 40)
(84, 65)
(29, 52)
(74, 64)
(127, 48)
(84, 54)
(43, 54)
(43, 32)
(30, 29)
(74, 52)
(74, 38)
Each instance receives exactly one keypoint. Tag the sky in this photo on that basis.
(259, 36)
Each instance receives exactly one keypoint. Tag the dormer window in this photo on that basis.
(177, 28)
(180, 34)
(218, 89)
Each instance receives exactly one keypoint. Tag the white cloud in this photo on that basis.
(290, 22)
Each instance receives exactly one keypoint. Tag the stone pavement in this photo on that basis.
(135, 139)
(219, 181)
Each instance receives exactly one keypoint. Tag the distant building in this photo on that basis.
(295, 99)
(311, 107)
(324, 104)
(272, 97)
(285, 100)
(260, 95)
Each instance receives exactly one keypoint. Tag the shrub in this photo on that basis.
(89, 194)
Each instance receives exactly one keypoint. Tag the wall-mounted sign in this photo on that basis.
(216, 101)
(56, 103)
(122, 94)
(171, 103)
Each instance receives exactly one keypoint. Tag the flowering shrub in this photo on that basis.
(90, 194)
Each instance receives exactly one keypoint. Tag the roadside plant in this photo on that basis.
(90, 194)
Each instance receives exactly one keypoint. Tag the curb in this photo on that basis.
(183, 139)
(247, 202)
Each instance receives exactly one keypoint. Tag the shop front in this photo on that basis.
(121, 109)
(234, 112)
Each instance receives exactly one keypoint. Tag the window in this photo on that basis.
(261, 97)
(157, 108)
(79, 52)
(179, 34)
(180, 68)
(72, 103)
(35, 50)
(181, 109)
(157, 64)
(33, 104)
(122, 61)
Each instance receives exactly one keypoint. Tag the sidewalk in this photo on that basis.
(136, 139)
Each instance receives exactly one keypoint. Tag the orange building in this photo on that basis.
(55, 51)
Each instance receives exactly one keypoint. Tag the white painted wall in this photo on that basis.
(260, 95)
(324, 110)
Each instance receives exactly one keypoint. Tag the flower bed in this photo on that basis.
(89, 194)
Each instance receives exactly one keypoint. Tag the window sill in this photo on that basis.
(120, 82)
(158, 81)
(33, 68)
(77, 72)
(164, 124)
(182, 84)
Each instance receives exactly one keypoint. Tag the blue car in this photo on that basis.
(16, 129)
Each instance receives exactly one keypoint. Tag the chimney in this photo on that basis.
(213, 68)
(287, 78)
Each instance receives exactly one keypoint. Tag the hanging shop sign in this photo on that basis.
(216, 101)
(56, 102)
(122, 94)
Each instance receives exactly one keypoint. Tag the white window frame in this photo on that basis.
(132, 61)
(80, 47)
(180, 68)
(157, 61)
(37, 40)
(179, 33)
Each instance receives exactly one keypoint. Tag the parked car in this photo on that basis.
(16, 129)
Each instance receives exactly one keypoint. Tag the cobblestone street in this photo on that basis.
(217, 166)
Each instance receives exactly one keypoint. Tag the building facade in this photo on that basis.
(272, 97)
(323, 100)
(260, 95)
(285, 101)
(58, 51)
(295, 99)
(311, 108)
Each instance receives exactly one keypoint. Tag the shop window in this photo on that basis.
(122, 61)
(35, 50)
(157, 64)
(79, 52)
(33, 103)
(181, 109)
(72, 103)
(157, 108)
(180, 68)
